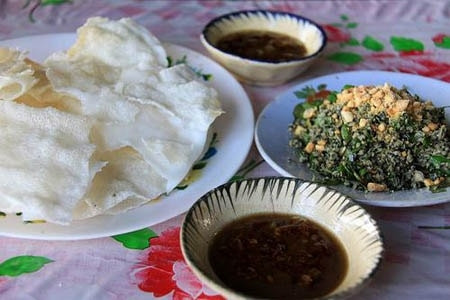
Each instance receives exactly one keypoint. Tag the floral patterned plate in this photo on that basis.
(272, 134)
(231, 141)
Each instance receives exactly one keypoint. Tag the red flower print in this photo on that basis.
(422, 63)
(282, 6)
(164, 271)
(168, 12)
(3, 284)
(130, 10)
(211, 3)
(442, 40)
(439, 38)
(336, 34)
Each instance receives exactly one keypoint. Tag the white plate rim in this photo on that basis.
(236, 125)
(353, 77)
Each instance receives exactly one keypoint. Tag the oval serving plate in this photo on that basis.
(234, 132)
(272, 136)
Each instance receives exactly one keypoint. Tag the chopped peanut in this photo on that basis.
(320, 148)
(351, 104)
(347, 116)
(401, 105)
(376, 187)
(309, 113)
(362, 123)
(428, 182)
(309, 147)
(379, 94)
(433, 126)
(298, 130)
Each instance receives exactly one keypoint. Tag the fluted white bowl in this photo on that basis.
(349, 222)
(258, 72)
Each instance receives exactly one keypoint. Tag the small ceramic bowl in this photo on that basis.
(264, 73)
(349, 222)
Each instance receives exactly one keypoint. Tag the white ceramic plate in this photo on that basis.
(272, 136)
(234, 133)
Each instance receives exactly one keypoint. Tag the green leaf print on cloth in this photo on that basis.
(19, 265)
(348, 58)
(372, 44)
(38, 3)
(139, 239)
(352, 42)
(406, 44)
(242, 172)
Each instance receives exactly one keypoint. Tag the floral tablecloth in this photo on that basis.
(400, 36)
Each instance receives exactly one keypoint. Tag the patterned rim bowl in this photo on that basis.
(257, 72)
(350, 223)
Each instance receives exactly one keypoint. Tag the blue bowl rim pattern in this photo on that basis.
(227, 185)
(266, 13)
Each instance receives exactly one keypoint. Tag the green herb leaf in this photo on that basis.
(315, 103)
(298, 111)
(139, 239)
(363, 172)
(347, 86)
(344, 17)
(437, 160)
(372, 44)
(330, 182)
(345, 133)
(352, 25)
(301, 107)
(22, 264)
(321, 86)
(442, 187)
(437, 189)
(300, 94)
(305, 92)
(346, 170)
(332, 97)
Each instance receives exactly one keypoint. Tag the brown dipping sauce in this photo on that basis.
(263, 46)
(278, 256)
